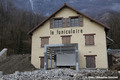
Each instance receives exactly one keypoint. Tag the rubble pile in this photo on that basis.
(56, 74)
(53, 74)
(98, 72)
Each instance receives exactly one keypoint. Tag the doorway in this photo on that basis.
(90, 61)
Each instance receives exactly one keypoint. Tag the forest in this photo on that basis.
(14, 26)
(15, 23)
(113, 22)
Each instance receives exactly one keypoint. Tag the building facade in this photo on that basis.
(69, 38)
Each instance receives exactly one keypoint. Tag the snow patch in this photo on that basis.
(31, 2)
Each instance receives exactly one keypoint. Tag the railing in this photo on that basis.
(3, 54)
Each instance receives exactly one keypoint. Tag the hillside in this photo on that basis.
(16, 63)
(47, 7)
(98, 9)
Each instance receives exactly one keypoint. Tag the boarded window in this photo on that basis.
(41, 62)
(89, 39)
(90, 61)
(66, 39)
(44, 40)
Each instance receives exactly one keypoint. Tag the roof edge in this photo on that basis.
(66, 5)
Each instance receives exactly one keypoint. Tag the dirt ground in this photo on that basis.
(16, 63)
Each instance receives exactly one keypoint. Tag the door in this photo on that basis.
(42, 62)
(90, 62)
(110, 60)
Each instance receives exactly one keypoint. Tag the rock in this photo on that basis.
(57, 74)
(16, 73)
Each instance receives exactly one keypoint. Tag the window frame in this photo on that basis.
(73, 24)
(58, 23)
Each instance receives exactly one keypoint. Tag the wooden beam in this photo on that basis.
(62, 49)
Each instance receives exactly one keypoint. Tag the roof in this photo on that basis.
(66, 5)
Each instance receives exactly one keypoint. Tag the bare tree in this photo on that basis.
(114, 33)
(14, 25)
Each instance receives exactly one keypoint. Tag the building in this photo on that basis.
(69, 38)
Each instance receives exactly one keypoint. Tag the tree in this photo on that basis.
(14, 25)
(114, 33)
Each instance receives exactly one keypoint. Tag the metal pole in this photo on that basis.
(55, 60)
(77, 63)
(45, 58)
(50, 59)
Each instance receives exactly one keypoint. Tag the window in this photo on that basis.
(44, 40)
(89, 39)
(71, 21)
(66, 39)
(57, 23)
(74, 22)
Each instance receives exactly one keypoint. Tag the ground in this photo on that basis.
(63, 74)
(18, 67)
(16, 63)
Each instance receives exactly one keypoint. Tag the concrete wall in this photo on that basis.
(89, 27)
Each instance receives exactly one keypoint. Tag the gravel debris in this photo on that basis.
(57, 74)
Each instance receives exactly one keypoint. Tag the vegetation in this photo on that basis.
(14, 63)
(114, 33)
(14, 25)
